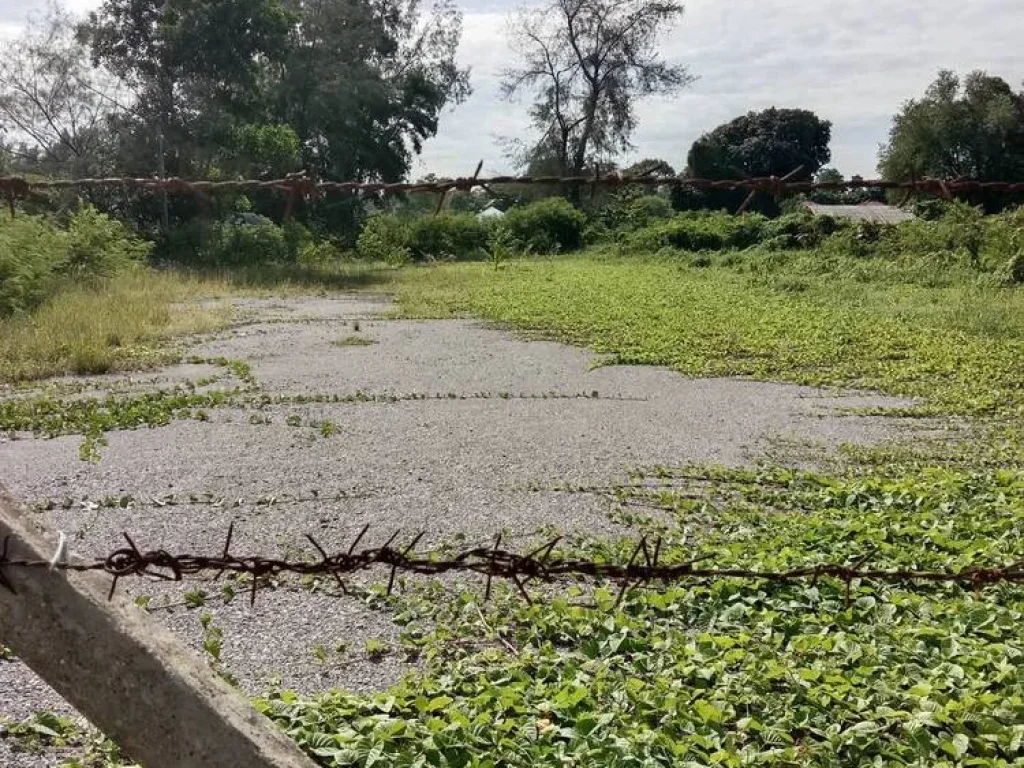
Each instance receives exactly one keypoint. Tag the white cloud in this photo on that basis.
(852, 63)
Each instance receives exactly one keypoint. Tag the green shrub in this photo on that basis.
(1013, 272)
(699, 231)
(546, 226)
(240, 243)
(799, 230)
(30, 250)
(243, 240)
(629, 210)
(319, 254)
(99, 246)
(930, 208)
(449, 235)
(963, 236)
(185, 243)
(385, 238)
(297, 238)
(648, 208)
(38, 257)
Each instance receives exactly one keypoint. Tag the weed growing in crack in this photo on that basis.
(376, 649)
(354, 341)
(43, 730)
(213, 646)
(94, 417)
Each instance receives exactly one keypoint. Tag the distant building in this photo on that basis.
(869, 211)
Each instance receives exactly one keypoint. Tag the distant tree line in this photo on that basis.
(351, 89)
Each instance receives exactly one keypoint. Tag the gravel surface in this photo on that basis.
(443, 466)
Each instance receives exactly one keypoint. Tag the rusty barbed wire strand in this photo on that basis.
(302, 185)
(539, 564)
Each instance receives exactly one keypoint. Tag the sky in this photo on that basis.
(853, 63)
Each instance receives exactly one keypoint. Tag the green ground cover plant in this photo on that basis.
(725, 673)
(956, 347)
(738, 672)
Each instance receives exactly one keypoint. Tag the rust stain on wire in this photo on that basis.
(642, 569)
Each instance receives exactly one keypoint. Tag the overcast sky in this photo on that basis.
(850, 62)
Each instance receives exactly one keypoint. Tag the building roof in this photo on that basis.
(870, 211)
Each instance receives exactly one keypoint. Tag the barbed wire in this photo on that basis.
(539, 564)
(303, 185)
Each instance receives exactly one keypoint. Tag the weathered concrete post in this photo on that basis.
(122, 670)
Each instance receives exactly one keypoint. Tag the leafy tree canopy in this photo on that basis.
(346, 89)
(774, 142)
(650, 166)
(971, 127)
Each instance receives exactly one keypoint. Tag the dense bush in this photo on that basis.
(38, 257)
(629, 210)
(799, 230)
(384, 237)
(699, 231)
(718, 230)
(546, 226)
(541, 227)
(395, 239)
(241, 240)
(962, 236)
(239, 243)
(450, 235)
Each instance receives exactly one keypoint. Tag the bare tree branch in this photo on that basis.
(51, 99)
(586, 63)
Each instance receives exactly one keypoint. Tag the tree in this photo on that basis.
(650, 166)
(364, 83)
(586, 63)
(829, 176)
(971, 128)
(842, 196)
(346, 89)
(774, 142)
(198, 70)
(54, 106)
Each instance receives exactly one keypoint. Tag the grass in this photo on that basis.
(130, 322)
(124, 324)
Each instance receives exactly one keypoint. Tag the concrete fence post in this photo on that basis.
(127, 674)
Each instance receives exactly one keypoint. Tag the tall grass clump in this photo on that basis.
(39, 257)
(119, 323)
